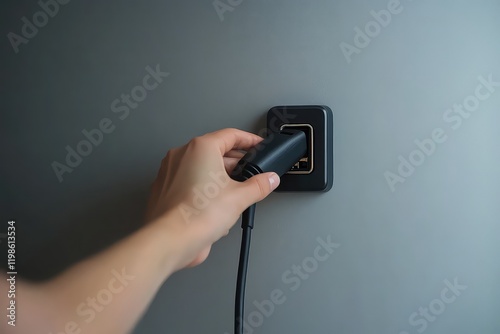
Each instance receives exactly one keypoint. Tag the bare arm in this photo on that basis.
(109, 292)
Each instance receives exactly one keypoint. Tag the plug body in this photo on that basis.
(278, 152)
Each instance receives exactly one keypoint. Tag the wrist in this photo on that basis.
(176, 241)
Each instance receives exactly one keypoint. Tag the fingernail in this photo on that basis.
(274, 181)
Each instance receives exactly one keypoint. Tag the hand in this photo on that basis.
(195, 197)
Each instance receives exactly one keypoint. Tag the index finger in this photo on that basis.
(234, 139)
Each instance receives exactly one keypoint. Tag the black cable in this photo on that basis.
(247, 220)
(279, 154)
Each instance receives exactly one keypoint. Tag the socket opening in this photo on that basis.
(306, 164)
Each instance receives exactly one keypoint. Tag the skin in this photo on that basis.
(178, 234)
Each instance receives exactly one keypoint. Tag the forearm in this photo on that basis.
(107, 293)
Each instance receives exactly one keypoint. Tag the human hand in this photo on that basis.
(196, 199)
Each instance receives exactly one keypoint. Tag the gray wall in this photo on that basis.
(399, 250)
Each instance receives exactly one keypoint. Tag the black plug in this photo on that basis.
(277, 153)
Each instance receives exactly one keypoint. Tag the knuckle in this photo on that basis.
(168, 157)
(228, 132)
(198, 142)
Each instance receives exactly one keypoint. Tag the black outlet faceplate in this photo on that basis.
(315, 171)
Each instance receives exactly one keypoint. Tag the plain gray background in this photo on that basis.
(396, 248)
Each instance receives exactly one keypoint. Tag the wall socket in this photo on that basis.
(314, 172)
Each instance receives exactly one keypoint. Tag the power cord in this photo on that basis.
(247, 220)
(279, 153)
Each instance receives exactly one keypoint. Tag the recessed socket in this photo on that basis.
(306, 164)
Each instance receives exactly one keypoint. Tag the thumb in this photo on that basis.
(258, 187)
